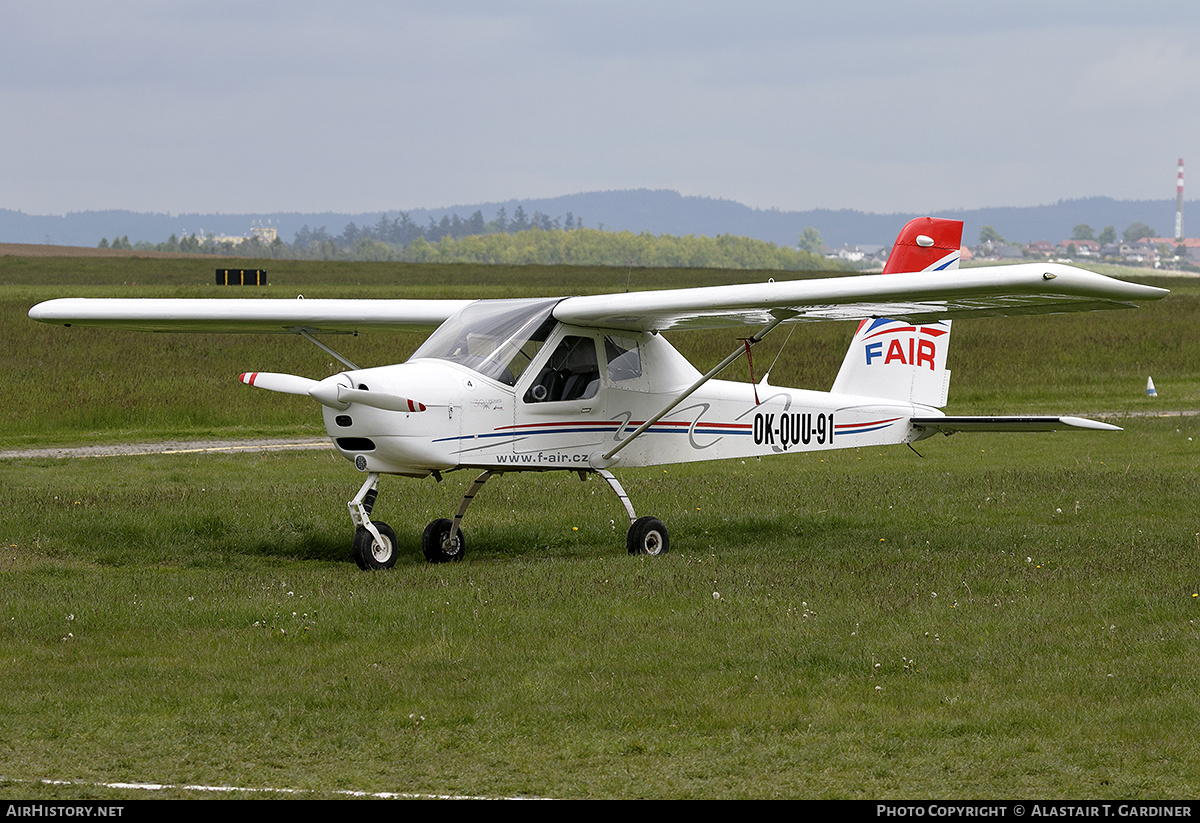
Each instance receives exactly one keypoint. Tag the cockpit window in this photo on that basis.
(624, 361)
(572, 372)
(496, 338)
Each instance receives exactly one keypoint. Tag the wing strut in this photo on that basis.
(605, 460)
(307, 336)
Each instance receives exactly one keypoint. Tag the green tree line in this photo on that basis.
(530, 246)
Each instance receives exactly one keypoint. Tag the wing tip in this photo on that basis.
(1086, 423)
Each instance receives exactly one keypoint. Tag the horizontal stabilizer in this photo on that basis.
(950, 425)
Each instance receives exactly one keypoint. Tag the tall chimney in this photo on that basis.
(1179, 203)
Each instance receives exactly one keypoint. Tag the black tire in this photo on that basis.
(647, 536)
(371, 555)
(434, 539)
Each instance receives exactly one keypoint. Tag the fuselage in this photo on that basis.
(563, 401)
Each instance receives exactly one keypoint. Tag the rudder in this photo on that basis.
(893, 358)
(926, 244)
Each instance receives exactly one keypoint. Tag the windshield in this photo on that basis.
(496, 338)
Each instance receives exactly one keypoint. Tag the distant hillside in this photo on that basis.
(639, 210)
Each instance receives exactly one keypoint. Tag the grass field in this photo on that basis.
(1005, 616)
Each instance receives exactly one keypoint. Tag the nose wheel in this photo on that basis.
(375, 551)
(374, 545)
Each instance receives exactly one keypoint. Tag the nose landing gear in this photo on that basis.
(374, 541)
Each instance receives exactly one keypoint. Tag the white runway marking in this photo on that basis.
(159, 787)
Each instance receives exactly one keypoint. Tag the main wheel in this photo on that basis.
(371, 554)
(647, 536)
(436, 546)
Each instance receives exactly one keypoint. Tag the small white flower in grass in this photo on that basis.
(716, 595)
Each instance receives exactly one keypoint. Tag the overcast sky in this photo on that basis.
(349, 106)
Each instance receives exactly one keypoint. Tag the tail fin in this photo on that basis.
(893, 358)
(926, 244)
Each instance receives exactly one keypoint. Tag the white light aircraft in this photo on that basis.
(588, 384)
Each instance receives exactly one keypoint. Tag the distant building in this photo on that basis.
(1191, 246)
(266, 235)
(858, 253)
(1138, 252)
(1083, 248)
(991, 250)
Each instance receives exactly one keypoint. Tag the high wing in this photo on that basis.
(245, 315)
(1028, 288)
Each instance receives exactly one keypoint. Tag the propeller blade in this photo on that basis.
(274, 381)
(330, 392)
(379, 400)
(334, 393)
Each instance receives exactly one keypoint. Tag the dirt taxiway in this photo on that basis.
(172, 447)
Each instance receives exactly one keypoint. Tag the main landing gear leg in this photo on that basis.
(374, 542)
(443, 540)
(646, 535)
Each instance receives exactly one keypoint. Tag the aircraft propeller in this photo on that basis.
(331, 391)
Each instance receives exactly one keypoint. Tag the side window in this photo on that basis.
(624, 361)
(571, 373)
